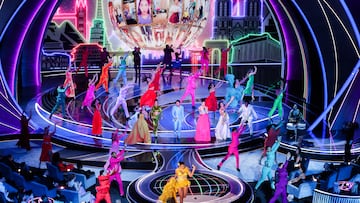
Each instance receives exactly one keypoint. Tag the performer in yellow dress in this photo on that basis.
(169, 191)
(182, 182)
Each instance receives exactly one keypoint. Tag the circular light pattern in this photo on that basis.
(151, 24)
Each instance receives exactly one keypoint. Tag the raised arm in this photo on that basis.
(192, 171)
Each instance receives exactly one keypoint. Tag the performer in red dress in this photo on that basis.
(97, 120)
(156, 78)
(148, 98)
(211, 101)
(46, 147)
(83, 63)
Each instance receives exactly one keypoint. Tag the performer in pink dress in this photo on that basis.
(70, 92)
(115, 139)
(233, 147)
(114, 168)
(205, 60)
(90, 93)
(191, 87)
(202, 133)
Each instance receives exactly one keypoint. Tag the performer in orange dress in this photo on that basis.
(46, 147)
(182, 182)
(104, 77)
(70, 92)
(149, 97)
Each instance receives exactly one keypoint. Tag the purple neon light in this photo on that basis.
(286, 35)
(39, 39)
(19, 43)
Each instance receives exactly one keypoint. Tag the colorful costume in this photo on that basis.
(102, 191)
(46, 147)
(90, 95)
(83, 63)
(233, 147)
(122, 70)
(247, 114)
(181, 177)
(231, 92)
(115, 144)
(281, 184)
(149, 97)
(205, 61)
(177, 113)
(139, 132)
(104, 78)
(169, 191)
(271, 138)
(155, 116)
(97, 122)
(202, 133)
(156, 79)
(277, 104)
(60, 101)
(222, 130)
(211, 101)
(70, 92)
(266, 170)
(249, 86)
(223, 62)
(120, 100)
(190, 88)
(113, 165)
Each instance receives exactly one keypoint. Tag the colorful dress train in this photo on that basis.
(202, 133)
(139, 133)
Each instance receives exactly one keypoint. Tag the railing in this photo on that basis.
(322, 196)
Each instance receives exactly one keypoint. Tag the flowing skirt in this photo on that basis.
(202, 133)
(97, 123)
(222, 130)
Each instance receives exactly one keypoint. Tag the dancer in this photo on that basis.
(120, 100)
(113, 167)
(115, 140)
(278, 101)
(149, 97)
(191, 8)
(103, 190)
(205, 61)
(281, 185)
(202, 133)
(247, 114)
(223, 62)
(104, 77)
(122, 69)
(137, 63)
(60, 100)
(272, 132)
(249, 88)
(169, 191)
(70, 92)
(104, 57)
(168, 58)
(140, 131)
(155, 116)
(46, 147)
(210, 101)
(270, 159)
(234, 94)
(177, 113)
(156, 77)
(191, 87)
(24, 140)
(97, 123)
(182, 182)
(83, 63)
(233, 147)
(222, 130)
(90, 94)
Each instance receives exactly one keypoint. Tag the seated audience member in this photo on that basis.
(10, 197)
(77, 186)
(295, 164)
(295, 115)
(57, 161)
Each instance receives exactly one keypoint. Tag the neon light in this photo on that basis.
(343, 101)
(356, 112)
(9, 111)
(252, 35)
(9, 126)
(337, 97)
(11, 19)
(56, 54)
(352, 22)
(75, 49)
